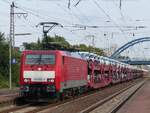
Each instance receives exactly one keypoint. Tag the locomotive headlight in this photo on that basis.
(50, 80)
(27, 80)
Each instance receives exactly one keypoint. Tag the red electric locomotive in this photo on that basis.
(49, 74)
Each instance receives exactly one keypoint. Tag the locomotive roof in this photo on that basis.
(64, 53)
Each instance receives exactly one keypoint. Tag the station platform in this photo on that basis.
(8, 95)
(138, 103)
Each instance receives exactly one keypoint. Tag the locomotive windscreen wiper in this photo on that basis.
(37, 61)
(41, 60)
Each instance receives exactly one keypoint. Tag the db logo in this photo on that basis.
(39, 69)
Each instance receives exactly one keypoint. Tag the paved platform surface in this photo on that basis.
(140, 102)
(7, 94)
(8, 91)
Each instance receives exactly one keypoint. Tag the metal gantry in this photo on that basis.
(12, 38)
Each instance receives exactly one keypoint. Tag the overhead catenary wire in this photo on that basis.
(68, 12)
(97, 4)
(28, 11)
(39, 16)
(36, 14)
(76, 16)
(120, 11)
(84, 28)
(108, 16)
(77, 3)
(65, 28)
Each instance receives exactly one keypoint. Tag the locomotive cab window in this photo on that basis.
(40, 59)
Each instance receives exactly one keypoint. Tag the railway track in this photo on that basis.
(72, 105)
(81, 103)
(114, 102)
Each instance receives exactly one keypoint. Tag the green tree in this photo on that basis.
(4, 63)
(59, 42)
(83, 47)
(56, 41)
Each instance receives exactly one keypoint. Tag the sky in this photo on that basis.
(113, 22)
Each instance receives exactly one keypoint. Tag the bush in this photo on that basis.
(4, 83)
